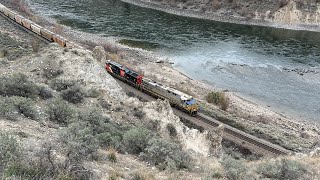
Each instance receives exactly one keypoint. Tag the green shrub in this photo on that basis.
(61, 84)
(218, 98)
(282, 169)
(45, 93)
(163, 153)
(18, 85)
(10, 150)
(172, 130)
(107, 133)
(73, 95)
(136, 139)
(25, 106)
(235, 169)
(59, 111)
(8, 109)
(79, 142)
(11, 107)
(93, 93)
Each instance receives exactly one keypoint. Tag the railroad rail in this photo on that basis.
(244, 139)
(241, 138)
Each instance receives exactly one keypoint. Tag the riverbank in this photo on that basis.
(252, 20)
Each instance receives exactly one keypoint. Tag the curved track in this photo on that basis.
(241, 138)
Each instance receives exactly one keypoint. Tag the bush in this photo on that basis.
(218, 98)
(51, 69)
(93, 93)
(172, 130)
(142, 175)
(61, 84)
(45, 93)
(18, 85)
(10, 151)
(59, 111)
(112, 155)
(139, 114)
(73, 95)
(234, 169)
(25, 106)
(136, 139)
(11, 107)
(7, 109)
(163, 153)
(79, 142)
(282, 169)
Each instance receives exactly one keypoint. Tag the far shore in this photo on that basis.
(222, 18)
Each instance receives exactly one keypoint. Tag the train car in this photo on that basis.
(11, 15)
(26, 23)
(123, 73)
(60, 40)
(47, 34)
(6, 11)
(2, 7)
(18, 19)
(36, 28)
(176, 98)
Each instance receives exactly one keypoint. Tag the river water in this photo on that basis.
(255, 62)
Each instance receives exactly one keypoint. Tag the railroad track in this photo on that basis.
(232, 134)
(244, 139)
(25, 29)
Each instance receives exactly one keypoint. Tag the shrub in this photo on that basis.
(79, 142)
(11, 107)
(234, 169)
(136, 139)
(51, 70)
(59, 111)
(25, 106)
(282, 169)
(45, 93)
(218, 98)
(93, 93)
(61, 84)
(163, 153)
(73, 95)
(35, 43)
(172, 130)
(139, 114)
(142, 175)
(112, 155)
(10, 150)
(7, 109)
(107, 133)
(18, 85)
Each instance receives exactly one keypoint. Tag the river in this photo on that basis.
(277, 68)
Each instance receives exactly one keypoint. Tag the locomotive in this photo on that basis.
(176, 98)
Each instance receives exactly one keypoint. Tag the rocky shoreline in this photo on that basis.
(221, 17)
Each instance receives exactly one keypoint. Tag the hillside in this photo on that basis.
(292, 14)
(63, 117)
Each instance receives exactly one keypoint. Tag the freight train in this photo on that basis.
(37, 29)
(176, 98)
